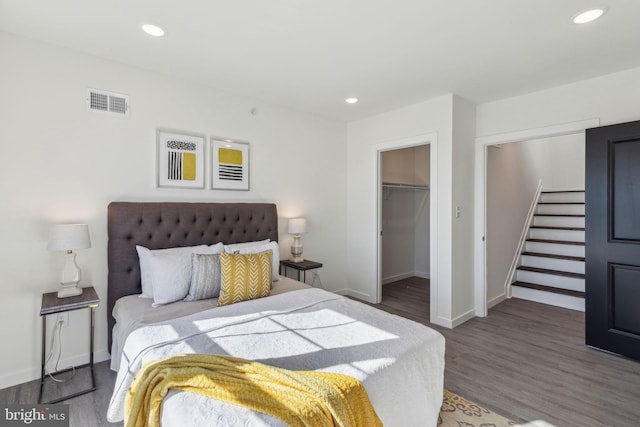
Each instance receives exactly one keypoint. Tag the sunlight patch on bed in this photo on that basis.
(362, 369)
(267, 345)
(207, 322)
(330, 329)
(304, 333)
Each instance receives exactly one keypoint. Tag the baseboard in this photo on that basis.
(422, 274)
(396, 277)
(464, 317)
(355, 294)
(407, 275)
(496, 300)
(442, 321)
(30, 374)
(452, 323)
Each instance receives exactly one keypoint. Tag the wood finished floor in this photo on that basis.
(526, 361)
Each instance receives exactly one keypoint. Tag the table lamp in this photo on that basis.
(297, 226)
(69, 237)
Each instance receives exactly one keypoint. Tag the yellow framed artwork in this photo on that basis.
(180, 159)
(230, 164)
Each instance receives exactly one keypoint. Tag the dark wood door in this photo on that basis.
(612, 238)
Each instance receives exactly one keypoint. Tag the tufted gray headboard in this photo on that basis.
(162, 225)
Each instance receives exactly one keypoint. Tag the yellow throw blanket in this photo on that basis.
(298, 398)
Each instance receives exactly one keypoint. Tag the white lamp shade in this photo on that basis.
(297, 226)
(67, 237)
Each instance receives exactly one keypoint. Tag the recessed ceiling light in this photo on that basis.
(588, 16)
(153, 30)
(351, 100)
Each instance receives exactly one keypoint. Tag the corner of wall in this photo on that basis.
(464, 132)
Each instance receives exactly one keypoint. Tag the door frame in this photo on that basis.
(482, 145)
(430, 139)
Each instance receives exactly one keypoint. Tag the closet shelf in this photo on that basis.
(399, 186)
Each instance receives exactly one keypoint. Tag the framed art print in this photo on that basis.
(180, 159)
(230, 164)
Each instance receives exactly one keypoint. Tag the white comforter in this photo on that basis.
(400, 362)
(132, 312)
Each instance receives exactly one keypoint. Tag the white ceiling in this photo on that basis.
(309, 55)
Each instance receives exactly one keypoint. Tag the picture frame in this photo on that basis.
(180, 159)
(229, 164)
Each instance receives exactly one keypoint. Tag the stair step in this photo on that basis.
(555, 220)
(557, 242)
(541, 232)
(569, 263)
(548, 227)
(549, 298)
(551, 289)
(567, 196)
(554, 276)
(559, 208)
(553, 272)
(564, 257)
(557, 248)
(561, 203)
(570, 215)
(552, 265)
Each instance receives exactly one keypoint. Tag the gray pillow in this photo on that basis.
(205, 277)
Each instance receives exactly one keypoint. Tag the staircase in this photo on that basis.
(551, 267)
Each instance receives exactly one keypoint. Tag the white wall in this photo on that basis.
(462, 170)
(386, 131)
(614, 98)
(63, 164)
(558, 161)
(511, 185)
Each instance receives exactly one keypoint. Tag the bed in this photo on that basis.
(399, 362)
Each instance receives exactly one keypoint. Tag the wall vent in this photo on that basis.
(102, 101)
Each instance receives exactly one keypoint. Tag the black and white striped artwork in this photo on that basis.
(180, 160)
(230, 173)
(174, 169)
(230, 165)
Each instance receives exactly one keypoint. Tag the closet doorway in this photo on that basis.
(405, 230)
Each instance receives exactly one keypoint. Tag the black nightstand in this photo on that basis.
(301, 266)
(51, 304)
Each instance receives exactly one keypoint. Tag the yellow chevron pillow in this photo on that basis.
(244, 277)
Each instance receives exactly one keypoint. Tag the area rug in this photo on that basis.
(457, 411)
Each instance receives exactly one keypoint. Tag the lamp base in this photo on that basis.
(69, 291)
(296, 249)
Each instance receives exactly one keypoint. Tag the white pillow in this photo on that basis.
(171, 277)
(232, 248)
(145, 255)
(275, 256)
(171, 274)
